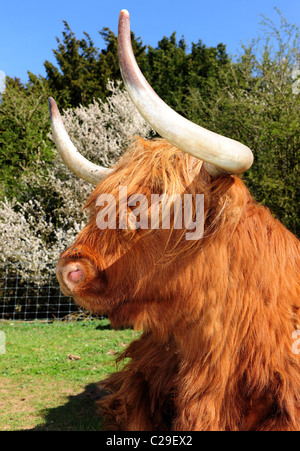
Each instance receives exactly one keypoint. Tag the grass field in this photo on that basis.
(49, 372)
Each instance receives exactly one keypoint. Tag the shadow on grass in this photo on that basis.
(78, 414)
(108, 327)
(103, 327)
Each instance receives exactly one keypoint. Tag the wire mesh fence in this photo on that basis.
(29, 296)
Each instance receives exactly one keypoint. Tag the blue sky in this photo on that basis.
(28, 28)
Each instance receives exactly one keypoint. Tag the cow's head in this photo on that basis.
(125, 254)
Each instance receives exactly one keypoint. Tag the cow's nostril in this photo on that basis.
(75, 276)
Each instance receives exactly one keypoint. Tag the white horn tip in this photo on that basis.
(53, 109)
(124, 12)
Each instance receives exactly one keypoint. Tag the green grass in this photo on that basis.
(49, 372)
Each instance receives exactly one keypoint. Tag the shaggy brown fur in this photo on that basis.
(218, 313)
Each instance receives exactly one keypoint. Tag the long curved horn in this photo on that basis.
(223, 155)
(78, 164)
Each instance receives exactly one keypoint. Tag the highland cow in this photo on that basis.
(220, 315)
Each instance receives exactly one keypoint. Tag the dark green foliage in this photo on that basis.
(75, 79)
(83, 69)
